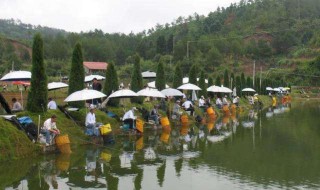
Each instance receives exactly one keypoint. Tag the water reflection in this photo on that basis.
(224, 152)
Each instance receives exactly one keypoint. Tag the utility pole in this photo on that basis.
(188, 50)
(12, 66)
(254, 71)
(299, 4)
(260, 79)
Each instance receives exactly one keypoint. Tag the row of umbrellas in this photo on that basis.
(26, 76)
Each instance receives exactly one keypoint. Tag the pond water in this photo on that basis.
(271, 149)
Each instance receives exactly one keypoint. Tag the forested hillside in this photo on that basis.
(279, 34)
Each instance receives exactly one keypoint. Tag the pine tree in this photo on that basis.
(111, 84)
(238, 85)
(193, 75)
(226, 78)
(218, 81)
(177, 80)
(161, 79)
(202, 85)
(76, 78)
(232, 78)
(210, 81)
(136, 79)
(38, 94)
(243, 81)
(249, 82)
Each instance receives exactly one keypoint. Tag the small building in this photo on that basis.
(95, 67)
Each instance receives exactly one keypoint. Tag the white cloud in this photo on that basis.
(109, 15)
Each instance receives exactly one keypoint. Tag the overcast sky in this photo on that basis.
(108, 15)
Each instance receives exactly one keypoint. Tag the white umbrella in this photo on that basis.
(214, 89)
(171, 92)
(56, 85)
(276, 89)
(153, 85)
(269, 88)
(189, 86)
(84, 95)
(91, 77)
(149, 92)
(149, 74)
(225, 90)
(17, 76)
(124, 93)
(248, 90)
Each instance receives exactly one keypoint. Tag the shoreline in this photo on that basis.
(76, 133)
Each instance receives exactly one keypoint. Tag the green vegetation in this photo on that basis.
(177, 80)
(136, 79)
(14, 143)
(193, 75)
(112, 84)
(202, 85)
(161, 79)
(76, 79)
(38, 94)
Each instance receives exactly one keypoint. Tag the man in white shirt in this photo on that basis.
(219, 103)
(225, 101)
(201, 102)
(52, 104)
(50, 128)
(188, 106)
(91, 124)
(128, 118)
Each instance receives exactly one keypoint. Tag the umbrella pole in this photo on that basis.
(21, 98)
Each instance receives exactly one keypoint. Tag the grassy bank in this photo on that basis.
(14, 143)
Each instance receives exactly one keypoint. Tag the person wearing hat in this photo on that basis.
(176, 110)
(225, 101)
(91, 123)
(236, 101)
(154, 115)
(202, 102)
(129, 118)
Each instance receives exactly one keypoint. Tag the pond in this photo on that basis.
(271, 149)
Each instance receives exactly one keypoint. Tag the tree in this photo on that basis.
(161, 79)
(161, 45)
(76, 76)
(249, 82)
(38, 94)
(136, 79)
(226, 78)
(177, 80)
(238, 84)
(210, 81)
(218, 81)
(202, 85)
(193, 75)
(111, 84)
(243, 81)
